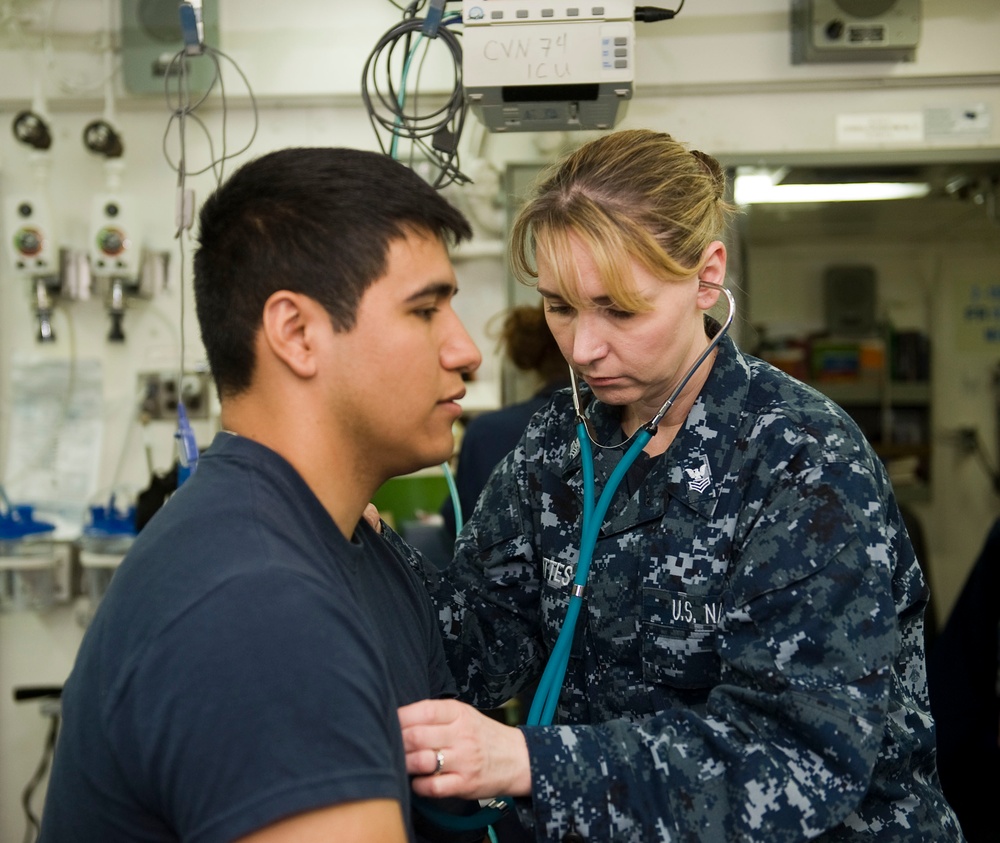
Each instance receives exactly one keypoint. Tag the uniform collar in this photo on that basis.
(695, 465)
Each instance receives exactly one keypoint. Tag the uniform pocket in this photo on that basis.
(679, 635)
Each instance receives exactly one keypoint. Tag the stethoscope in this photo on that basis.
(546, 697)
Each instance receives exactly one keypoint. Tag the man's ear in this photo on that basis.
(712, 274)
(291, 331)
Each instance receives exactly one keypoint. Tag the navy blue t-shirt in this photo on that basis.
(245, 665)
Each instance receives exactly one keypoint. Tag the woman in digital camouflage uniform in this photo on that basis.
(749, 661)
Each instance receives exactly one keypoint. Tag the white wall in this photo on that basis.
(718, 76)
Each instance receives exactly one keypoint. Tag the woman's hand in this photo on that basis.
(372, 517)
(454, 750)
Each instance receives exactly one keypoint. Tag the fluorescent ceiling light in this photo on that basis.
(761, 186)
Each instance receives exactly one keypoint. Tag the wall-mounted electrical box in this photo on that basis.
(29, 226)
(160, 392)
(114, 252)
(151, 38)
(855, 30)
(34, 256)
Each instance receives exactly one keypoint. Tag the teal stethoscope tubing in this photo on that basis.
(543, 705)
(546, 697)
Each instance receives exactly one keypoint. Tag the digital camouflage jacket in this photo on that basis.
(749, 663)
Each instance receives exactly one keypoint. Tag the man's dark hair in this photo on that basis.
(315, 221)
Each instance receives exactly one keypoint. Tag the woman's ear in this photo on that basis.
(290, 331)
(712, 274)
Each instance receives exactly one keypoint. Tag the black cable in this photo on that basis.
(395, 119)
(651, 14)
(181, 110)
(34, 824)
(435, 134)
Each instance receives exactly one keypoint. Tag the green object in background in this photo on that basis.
(399, 499)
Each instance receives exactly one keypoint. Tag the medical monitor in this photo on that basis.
(534, 66)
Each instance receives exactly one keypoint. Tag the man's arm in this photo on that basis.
(371, 819)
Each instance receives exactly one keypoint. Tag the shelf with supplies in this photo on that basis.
(885, 386)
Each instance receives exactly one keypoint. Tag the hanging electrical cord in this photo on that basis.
(34, 822)
(51, 708)
(435, 134)
(182, 108)
(443, 126)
